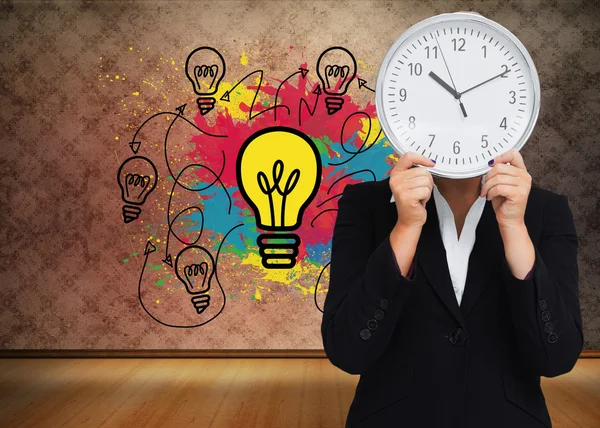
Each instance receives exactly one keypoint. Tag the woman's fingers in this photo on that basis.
(504, 174)
(499, 179)
(513, 156)
(508, 191)
(420, 180)
(408, 159)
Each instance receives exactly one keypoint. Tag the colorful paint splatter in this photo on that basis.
(193, 200)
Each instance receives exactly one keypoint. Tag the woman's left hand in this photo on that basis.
(508, 186)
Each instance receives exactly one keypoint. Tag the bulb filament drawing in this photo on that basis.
(137, 178)
(205, 68)
(336, 68)
(195, 268)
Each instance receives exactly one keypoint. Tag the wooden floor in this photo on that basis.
(220, 392)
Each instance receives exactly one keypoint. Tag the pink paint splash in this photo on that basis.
(320, 126)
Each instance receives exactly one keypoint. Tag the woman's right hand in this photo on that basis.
(411, 188)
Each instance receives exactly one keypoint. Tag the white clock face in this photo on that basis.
(459, 89)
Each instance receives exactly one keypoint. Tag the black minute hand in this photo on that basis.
(478, 85)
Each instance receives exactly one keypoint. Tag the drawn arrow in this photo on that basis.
(316, 91)
(225, 96)
(362, 83)
(134, 144)
(303, 72)
(150, 248)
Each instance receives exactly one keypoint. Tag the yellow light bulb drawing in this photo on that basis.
(278, 173)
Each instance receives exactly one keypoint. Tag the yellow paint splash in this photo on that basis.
(375, 128)
(244, 96)
(244, 59)
(284, 276)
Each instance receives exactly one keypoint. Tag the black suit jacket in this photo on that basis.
(425, 361)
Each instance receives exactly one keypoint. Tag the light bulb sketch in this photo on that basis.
(278, 174)
(205, 67)
(336, 67)
(137, 178)
(195, 268)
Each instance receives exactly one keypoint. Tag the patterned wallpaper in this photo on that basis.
(78, 79)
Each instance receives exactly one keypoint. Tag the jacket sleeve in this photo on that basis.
(544, 307)
(366, 289)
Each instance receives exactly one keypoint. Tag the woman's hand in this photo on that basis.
(508, 186)
(411, 188)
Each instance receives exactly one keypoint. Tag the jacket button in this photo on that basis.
(365, 334)
(552, 337)
(379, 314)
(542, 304)
(548, 327)
(545, 316)
(457, 336)
(372, 324)
(383, 304)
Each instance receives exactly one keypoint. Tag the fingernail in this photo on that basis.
(491, 161)
(432, 160)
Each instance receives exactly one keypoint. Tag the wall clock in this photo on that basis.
(458, 88)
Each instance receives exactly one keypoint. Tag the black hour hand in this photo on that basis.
(444, 84)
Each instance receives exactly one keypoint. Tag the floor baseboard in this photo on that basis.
(183, 353)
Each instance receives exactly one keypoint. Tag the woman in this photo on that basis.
(429, 354)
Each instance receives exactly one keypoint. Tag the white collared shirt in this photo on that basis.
(458, 250)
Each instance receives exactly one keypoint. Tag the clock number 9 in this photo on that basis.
(402, 94)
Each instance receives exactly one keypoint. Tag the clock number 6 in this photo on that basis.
(456, 147)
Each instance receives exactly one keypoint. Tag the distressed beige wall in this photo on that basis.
(63, 284)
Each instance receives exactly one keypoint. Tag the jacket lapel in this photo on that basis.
(431, 257)
(485, 259)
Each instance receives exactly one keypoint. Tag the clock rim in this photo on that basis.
(445, 17)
